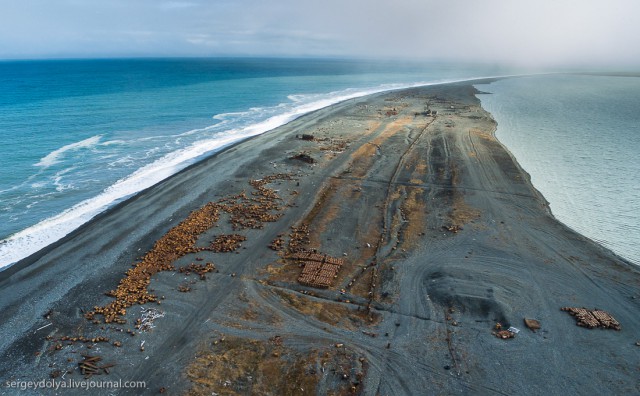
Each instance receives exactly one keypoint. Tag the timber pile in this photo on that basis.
(227, 243)
(318, 270)
(244, 211)
(253, 212)
(298, 238)
(277, 244)
(592, 319)
(178, 242)
(312, 256)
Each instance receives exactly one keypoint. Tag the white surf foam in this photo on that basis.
(26, 242)
(55, 156)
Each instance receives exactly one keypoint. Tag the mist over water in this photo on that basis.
(578, 137)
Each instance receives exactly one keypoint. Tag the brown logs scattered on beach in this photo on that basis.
(179, 241)
(89, 365)
(277, 244)
(245, 212)
(592, 319)
(298, 238)
(199, 269)
(227, 243)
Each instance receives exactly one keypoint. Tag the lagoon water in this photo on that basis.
(578, 136)
(79, 136)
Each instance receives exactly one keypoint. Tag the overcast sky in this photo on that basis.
(531, 32)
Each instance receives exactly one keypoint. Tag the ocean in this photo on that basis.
(578, 136)
(79, 136)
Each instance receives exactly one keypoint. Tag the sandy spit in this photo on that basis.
(440, 237)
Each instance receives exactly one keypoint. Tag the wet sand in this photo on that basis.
(441, 236)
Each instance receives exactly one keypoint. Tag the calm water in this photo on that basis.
(579, 139)
(79, 136)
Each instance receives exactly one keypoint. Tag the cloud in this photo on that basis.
(544, 32)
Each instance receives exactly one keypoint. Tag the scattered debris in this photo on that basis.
(148, 316)
(227, 243)
(277, 244)
(303, 157)
(592, 318)
(245, 212)
(85, 340)
(199, 269)
(504, 334)
(89, 366)
(452, 228)
(298, 237)
(532, 324)
(47, 325)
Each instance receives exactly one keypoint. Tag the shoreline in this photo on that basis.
(35, 255)
(441, 235)
(295, 113)
(557, 177)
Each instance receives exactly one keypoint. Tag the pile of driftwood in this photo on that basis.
(90, 365)
(318, 270)
(592, 319)
(227, 243)
(245, 212)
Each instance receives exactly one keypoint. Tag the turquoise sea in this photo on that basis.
(79, 136)
(578, 136)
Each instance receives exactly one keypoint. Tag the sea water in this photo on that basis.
(78, 136)
(578, 136)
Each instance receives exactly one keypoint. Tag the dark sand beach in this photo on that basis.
(421, 225)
